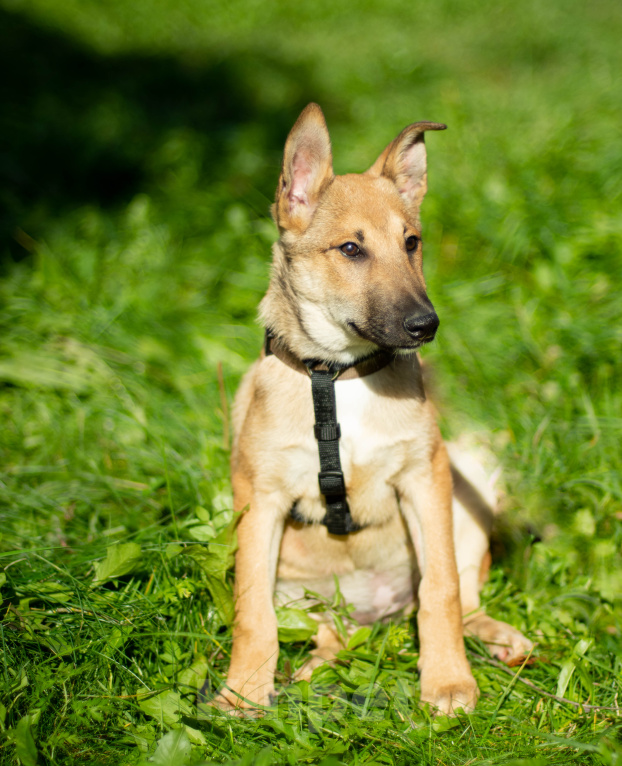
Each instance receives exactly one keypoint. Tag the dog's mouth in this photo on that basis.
(353, 326)
(382, 339)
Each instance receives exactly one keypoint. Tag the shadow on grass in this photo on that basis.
(79, 127)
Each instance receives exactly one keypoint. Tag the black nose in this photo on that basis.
(422, 326)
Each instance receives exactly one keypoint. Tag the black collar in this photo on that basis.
(366, 366)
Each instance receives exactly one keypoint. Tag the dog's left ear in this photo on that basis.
(307, 170)
(404, 163)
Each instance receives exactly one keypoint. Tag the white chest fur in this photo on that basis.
(381, 435)
(377, 431)
(354, 401)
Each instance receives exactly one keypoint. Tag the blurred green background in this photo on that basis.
(140, 145)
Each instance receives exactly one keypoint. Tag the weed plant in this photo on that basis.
(140, 145)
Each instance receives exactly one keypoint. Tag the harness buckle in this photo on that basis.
(331, 483)
(327, 432)
(310, 368)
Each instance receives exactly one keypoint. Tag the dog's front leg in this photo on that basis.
(425, 498)
(255, 641)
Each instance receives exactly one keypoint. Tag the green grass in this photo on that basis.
(140, 146)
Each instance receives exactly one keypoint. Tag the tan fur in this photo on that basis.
(425, 541)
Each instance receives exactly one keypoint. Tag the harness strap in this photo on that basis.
(337, 520)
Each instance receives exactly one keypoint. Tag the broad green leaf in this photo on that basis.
(215, 560)
(25, 747)
(222, 596)
(2, 579)
(359, 637)
(34, 716)
(143, 736)
(195, 736)
(565, 675)
(121, 559)
(118, 636)
(265, 757)
(202, 556)
(203, 514)
(166, 707)
(295, 625)
(219, 556)
(173, 749)
(172, 550)
(194, 676)
(445, 723)
(202, 532)
(56, 644)
(582, 646)
(223, 548)
(584, 522)
(570, 665)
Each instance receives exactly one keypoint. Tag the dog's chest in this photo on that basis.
(379, 440)
(365, 438)
(380, 436)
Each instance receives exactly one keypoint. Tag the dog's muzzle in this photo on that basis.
(422, 327)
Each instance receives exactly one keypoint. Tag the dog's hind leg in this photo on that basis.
(473, 504)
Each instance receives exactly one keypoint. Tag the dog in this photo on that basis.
(391, 517)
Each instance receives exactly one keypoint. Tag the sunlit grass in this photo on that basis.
(141, 146)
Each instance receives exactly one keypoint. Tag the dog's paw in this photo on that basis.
(222, 703)
(325, 653)
(449, 696)
(241, 709)
(244, 699)
(502, 640)
(305, 672)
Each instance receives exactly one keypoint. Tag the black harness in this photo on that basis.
(338, 519)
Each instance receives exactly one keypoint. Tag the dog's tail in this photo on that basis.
(476, 481)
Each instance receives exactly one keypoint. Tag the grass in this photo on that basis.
(140, 148)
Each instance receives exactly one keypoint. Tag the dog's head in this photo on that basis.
(347, 276)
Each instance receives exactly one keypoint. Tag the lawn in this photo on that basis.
(140, 146)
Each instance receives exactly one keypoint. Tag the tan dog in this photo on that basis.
(347, 285)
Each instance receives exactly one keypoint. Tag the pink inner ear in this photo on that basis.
(413, 168)
(302, 172)
(406, 189)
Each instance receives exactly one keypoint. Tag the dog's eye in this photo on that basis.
(411, 243)
(350, 249)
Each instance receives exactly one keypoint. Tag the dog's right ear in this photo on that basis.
(307, 170)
